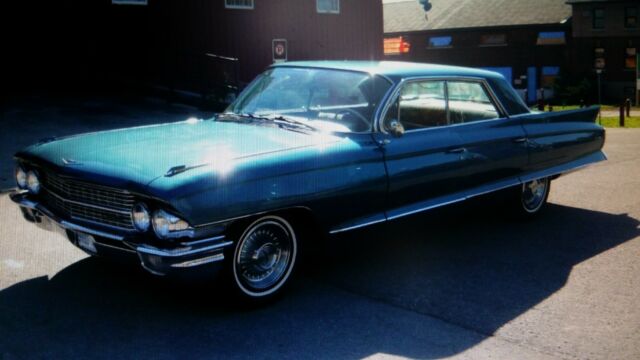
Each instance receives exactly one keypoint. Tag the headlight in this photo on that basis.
(21, 177)
(166, 225)
(141, 217)
(33, 183)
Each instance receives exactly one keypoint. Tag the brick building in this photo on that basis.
(606, 37)
(534, 43)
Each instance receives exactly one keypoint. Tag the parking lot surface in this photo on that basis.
(463, 282)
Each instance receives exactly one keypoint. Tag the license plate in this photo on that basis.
(87, 242)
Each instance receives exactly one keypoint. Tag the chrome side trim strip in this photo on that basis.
(336, 231)
(114, 247)
(148, 250)
(491, 188)
(71, 226)
(378, 126)
(198, 242)
(198, 262)
(565, 168)
(430, 207)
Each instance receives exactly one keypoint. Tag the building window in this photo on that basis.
(440, 41)
(396, 46)
(549, 76)
(129, 2)
(493, 40)
(551, 38)
(630, 59)
(238, 4)
(631, 17)
(328, 6)
(598, 18)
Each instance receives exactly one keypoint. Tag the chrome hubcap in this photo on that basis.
(533, 194)
(264, 256)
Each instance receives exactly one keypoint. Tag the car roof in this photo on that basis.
(394, 69)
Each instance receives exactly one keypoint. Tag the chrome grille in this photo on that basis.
(89, 202)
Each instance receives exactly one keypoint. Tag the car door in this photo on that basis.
(425, 163)
(494, 145)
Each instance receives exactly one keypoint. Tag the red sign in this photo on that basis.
(396, 46)
(279, 50)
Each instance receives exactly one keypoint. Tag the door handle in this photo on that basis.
(520, 140)
(457, 151)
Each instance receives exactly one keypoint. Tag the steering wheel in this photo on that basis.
(359, 116)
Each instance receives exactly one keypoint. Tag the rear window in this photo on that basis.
(512, 102)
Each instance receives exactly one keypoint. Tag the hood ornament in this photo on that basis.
(70, 162)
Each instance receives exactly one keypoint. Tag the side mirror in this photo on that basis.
(395, 128)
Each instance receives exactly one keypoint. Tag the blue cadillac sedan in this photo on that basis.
(308, 148)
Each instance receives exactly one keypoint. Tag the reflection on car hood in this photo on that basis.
(143, 154)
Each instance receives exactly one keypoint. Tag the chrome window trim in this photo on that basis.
(381, 105)
(396, 93)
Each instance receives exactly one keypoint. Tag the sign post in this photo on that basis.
(599, 72)
(638, 79)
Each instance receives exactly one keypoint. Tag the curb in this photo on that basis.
(6, 191)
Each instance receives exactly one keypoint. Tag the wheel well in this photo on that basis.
(302, 219)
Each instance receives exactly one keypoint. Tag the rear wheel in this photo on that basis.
(529, 199)
(264, 258)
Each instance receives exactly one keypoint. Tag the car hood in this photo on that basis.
(140, 155)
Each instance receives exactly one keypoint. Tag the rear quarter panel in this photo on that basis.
(556, 138)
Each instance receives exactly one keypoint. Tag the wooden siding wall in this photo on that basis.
(165, 42)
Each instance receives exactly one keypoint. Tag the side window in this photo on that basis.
(421, 104)
(468, 102)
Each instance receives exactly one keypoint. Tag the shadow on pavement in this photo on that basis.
(469, 266)
(463, 266)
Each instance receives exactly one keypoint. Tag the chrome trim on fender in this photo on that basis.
(150, 250)
(198, 242)
(426, 208)
(336, 231)
(198, 262)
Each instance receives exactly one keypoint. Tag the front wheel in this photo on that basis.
(530, 198)
(264, 258)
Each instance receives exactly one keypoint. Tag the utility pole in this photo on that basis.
(599, 72)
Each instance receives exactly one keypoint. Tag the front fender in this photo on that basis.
(338, 182)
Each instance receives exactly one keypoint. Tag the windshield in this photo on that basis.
(330, 100)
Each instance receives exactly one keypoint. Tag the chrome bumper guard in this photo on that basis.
(156, 260)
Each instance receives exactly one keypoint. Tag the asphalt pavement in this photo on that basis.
(463, 282)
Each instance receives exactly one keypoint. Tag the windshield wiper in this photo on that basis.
(290, 121)
(277, 119)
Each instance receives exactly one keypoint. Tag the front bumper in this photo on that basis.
(158, 261)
